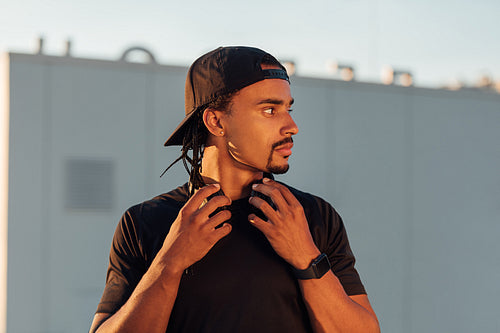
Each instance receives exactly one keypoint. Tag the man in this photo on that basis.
(233, 250)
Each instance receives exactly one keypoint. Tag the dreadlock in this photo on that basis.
(194, 140)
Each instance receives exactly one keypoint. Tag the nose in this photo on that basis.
(290, 127)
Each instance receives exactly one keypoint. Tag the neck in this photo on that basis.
(235, 180)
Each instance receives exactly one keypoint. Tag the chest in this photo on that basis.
(240, 285)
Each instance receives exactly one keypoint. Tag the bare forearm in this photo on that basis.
(148, 308)
(332, 310)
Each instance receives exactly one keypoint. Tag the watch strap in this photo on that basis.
(316, 269)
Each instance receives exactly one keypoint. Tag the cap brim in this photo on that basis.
(177, 137)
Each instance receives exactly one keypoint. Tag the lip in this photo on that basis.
(285, 150)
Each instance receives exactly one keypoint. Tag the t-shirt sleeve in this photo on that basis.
(335, 245)
(126, 265)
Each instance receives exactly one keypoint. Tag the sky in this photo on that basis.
(438, 41)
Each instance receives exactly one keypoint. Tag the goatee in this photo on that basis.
(277, 169)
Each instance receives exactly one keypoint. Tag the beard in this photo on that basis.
(273, 168)
(277, 169)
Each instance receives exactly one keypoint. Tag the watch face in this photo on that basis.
(321, 266)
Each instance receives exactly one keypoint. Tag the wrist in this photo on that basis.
(316, 269)
(168, 266)
(305, 260)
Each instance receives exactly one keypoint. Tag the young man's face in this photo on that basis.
(259, 127)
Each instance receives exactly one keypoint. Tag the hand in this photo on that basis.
(286, 229)
(193, 232)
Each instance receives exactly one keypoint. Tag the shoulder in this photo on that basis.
(145, 225)
(324, 222)
(312, 202)
(161, 205)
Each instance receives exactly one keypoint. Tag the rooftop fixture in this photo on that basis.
(127, 52)
(346, 71)
(392, 76)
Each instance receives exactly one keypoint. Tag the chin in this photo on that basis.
(278, 169)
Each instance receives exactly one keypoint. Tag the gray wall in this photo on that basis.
(413, 172)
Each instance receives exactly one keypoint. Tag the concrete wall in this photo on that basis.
(413, 172)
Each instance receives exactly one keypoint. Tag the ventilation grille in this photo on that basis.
(89, 184)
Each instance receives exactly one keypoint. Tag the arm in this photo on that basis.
(191, 236)
(330, 308)
(148, 308)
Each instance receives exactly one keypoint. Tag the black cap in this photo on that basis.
(219, 72)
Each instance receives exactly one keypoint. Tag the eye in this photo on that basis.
(269, 111)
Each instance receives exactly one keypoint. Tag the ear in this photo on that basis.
(212, 120)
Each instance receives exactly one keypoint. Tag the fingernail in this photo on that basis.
(254, 186)
(266, 180)
(216, 185)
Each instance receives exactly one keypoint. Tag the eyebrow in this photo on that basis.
(275, 101)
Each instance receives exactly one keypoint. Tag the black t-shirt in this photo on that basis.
(241, 285)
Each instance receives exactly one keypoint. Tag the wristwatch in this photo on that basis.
(316, 269)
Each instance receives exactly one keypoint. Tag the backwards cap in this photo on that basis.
(220, 72)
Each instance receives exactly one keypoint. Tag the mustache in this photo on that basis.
(282, 142)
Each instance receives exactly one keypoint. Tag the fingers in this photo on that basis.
(260, 224)
(215, 221)
(285, 192)
(212, 205)
(207, 215)
(197, 199)
(221, 232)
(280, 194)
(264, 207)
